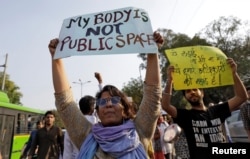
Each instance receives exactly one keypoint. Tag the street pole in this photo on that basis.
(4, 72)
(81, 84)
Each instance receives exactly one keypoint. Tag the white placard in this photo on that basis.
(120, 31)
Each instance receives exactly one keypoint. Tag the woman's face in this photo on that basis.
(110, 110)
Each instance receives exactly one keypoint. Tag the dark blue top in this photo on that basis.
(31, 138)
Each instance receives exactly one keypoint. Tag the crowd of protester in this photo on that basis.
(107, 126)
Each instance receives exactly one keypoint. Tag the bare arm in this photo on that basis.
(167, 94)
(150, 106)
(76, 124)
(153, 70)
(239, 89)
(60, 79)
(99, 79)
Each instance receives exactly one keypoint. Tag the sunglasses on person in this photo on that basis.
(103, 101)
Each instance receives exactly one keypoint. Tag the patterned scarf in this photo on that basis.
(121, 142)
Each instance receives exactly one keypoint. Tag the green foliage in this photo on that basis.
(232, 36)
(229, 34)
(134, 89)
(11, 89)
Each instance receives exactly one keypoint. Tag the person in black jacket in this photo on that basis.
(49, 140)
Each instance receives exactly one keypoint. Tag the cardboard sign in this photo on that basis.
(199, 67)
(125, 30)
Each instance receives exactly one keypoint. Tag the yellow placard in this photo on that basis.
(199, 67)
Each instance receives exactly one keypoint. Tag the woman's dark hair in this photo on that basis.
(113, 91)
(86, 103)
